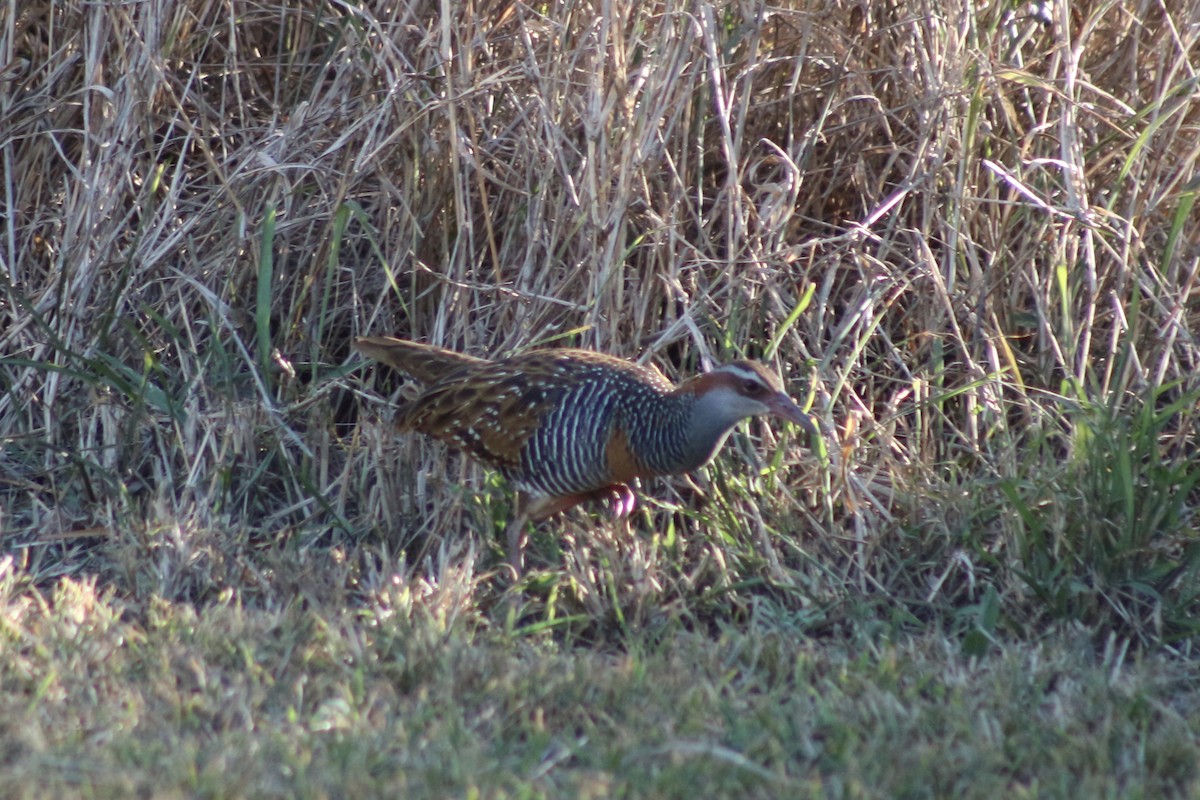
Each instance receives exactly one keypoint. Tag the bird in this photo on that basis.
(565, 426)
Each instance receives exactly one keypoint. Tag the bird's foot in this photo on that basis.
(620, 500)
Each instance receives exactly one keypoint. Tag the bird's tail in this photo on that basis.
(425, 362)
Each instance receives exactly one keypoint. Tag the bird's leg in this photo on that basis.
(530, 507)
(619, 497)
(517, 537)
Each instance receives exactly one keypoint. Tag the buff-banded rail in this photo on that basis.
(567, 426)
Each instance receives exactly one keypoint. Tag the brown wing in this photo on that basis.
(489, 410)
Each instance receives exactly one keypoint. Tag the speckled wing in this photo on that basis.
(490, 410)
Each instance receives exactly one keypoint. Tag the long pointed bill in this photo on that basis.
(783, 406)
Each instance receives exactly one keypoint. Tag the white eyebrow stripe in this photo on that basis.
(738, 371)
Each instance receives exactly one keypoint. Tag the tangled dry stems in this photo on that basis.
(969, 230)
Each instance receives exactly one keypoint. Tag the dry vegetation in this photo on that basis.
(966, 235)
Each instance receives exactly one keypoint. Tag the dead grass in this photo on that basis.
(967, 236)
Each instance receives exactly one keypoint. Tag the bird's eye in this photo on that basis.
(751, 387)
